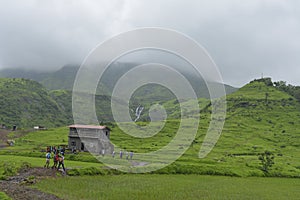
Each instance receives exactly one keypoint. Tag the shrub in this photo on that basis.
(73, 172)
(25, 165)
(9, 169)
(267, 160)
(89, 171)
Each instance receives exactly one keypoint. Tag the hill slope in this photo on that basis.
(27, 103)
(259, 117)
(64, 79)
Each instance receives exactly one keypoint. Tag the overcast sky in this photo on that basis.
(244, 38)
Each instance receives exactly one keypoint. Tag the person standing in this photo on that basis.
(61, 162)
(55, 160)
(48, 156)
(126, 155)
(121, 154)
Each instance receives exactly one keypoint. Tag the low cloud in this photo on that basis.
(245, 39)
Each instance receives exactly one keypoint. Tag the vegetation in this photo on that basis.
(26, 103)
(267, 160)
(262, 122)
(11, 164)
(290, 89)
(251, 128)
(3, 196)
(9, 168)
(170, 187)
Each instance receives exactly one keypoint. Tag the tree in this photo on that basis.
(267, 160)
(266, 99)
(290, 89)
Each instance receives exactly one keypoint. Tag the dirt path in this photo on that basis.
(3, 138)
(16, 187)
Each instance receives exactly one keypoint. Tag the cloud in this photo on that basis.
(52, 33)
(245, 38)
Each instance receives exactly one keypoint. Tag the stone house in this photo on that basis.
(95, 139)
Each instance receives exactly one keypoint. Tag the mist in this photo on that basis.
(245, 39)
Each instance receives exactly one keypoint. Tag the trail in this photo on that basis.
(17, 187)
(3, 138)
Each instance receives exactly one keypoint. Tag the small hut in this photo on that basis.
(95, 139)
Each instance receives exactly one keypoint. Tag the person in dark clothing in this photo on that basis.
(55, 160)
(61, 162)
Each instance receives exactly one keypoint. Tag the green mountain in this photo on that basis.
(102, 103)
(63, 79)
(260, 117)
(27, 103)
(52, 80)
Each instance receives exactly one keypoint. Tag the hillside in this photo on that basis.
(63, 79)
(260, 118)
(26, 103)
(103, 104)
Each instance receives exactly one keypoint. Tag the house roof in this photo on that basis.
(88, 126)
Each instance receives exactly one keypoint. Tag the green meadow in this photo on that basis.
(170, 187)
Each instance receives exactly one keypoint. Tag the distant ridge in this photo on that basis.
(64, 79)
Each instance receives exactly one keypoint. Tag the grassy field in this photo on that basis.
(39, 162)
(10, 165)
(170, 187)
(3, 196)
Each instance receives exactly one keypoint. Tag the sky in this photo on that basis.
(245, 38)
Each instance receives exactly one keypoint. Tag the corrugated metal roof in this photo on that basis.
(88, 126)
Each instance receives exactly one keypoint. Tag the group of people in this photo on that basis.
(58, 159)
(127, 154)
(54, 149)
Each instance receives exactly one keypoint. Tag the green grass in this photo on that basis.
(39, 162)
(3, 196)
(39, 140)
(170, 187)
(10, 165)
(258, 90)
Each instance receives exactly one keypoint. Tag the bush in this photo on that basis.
(25, 165)
(3, 177)
(9, 169)
(90, 171)
(193, 169)
(267, 160)
(73, 172)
